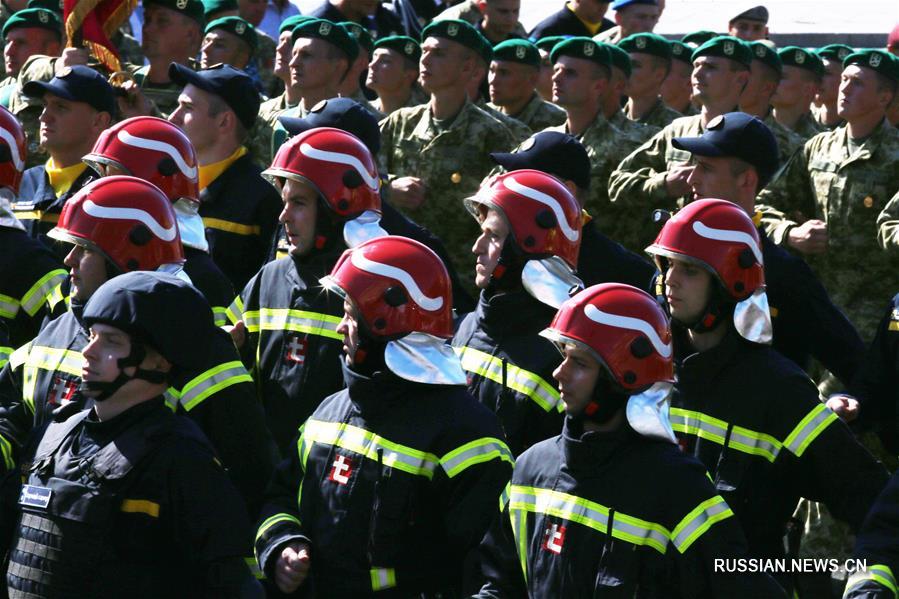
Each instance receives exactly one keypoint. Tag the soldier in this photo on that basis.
(172, 32)
(764, 78)
(391, 482)
(751, 416)
(677, 91)
(393, 74)
(524, 271)
(655, 174)
(634, 132)
(436, 154)
(351, 86)
(575, 497)
(78, 106)
(826, 112)
(802, 72)
(545, 78)
(496, 20)
(262, 61)
(229, 40)
(735, 158)
(26, 33)
(513, 77)
(833, 191)
(650, 64)
(576, 18)
(631, 16)
(751, 25)
(216, 110)
(151, 495)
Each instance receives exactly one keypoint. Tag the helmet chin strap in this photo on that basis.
(717, 308)
(106, 389)
(608, 398)
(506, 275)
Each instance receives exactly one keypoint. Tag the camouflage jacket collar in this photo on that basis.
(868, 148)
(426, 130)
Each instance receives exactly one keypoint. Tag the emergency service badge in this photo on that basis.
(181, 4)
(295, 351)
(341, 470)
(62, 391)
(324, 29)
(520, 52)
(589, 48)
(874, 60)
(760, 51)
(33, 496)
(43, 17)
(799, 57)
(641, 42)
(452, 29)
(409, 49)
(729, 48)
(554, 538)
(239, 28)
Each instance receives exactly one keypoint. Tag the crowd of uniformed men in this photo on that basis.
(399, 299)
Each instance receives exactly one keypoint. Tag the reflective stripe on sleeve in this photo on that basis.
(698, 521)
(276, 519)
(212, 381)
(230, 227)
(253, 567)
(5, 353)
(301, 321)
(234, 312)
(220, 315)
(504, 496)
(809, 428)
(591, 514)
(6, 450)
(517, 379)
(879, 573)
(9, 306)
(382, 578)
(41, 292)
(475, 452)
(689, 422)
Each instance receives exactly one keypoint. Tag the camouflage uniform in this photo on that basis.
(538, 114)
(128, 47)
(28, 110)
(638, 184)
(416, 98)
(468, 10)
(279, 134)
(850, 191)
(660, 115)
(787, 141)
(519, 130)
(164, 96)
(807, 127)
(261, 64)
(636, 132)
(451, 162)
(360, 98)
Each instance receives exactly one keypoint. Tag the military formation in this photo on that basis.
(402, 300)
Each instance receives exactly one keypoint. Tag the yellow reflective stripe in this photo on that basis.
(713, 429)
(5, 353)
(698, 521)
(6, 450)
(808, 429)
(42, 290)
(235, 310)
(382, 578)
(517, 379)
(301, 321)
(18, 357)
(591, 514)
(220, 315)
(504, 496)
(171, 399)
(475, 452)
(36, 215)
(365, 443)
(879, 573)
(230, 227)
(9, 306)
(141, 506)
(253, 567)
(272, 520)
(212, 381)
(520, 532)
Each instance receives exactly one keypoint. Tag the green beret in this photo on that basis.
(647, 43)
(621, 60)
(583, 47)
(794, 56)
(237, 26)
(291, 22)
(517, 50)
(193, 9)
(34, 17)
(698, 38)
(360, 34)
(767, 55)
(331, 32)
(835, 52)
(549, 42)
(213, 7)
(461, 32)
(681, 51)
(725, 46)
(877, 60)
(51, 5)
(402, 44)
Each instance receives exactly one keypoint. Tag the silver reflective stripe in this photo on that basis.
(9, 307)
(302, 321)
(234, 312)
(713, 429)
(516, 378)
(213, 381)
(475, 452)
(809, 428)
(697, 522)
(42, 290)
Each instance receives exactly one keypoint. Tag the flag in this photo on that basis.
(93, 22)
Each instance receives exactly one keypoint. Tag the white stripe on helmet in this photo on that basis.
(166, 234)
(13, 148)
(728, 235)
(628, 322)
(341, 158)
(430, 304)
(547, 200)
(159, 146)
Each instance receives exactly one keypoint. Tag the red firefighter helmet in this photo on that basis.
(13, 150)
(543, 216)
(399, 286)
(720, 237)
(624, 328)
(336, 164)
(152, 149)
(128, 219)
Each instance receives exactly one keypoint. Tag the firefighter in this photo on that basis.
(609, 506)
(393, 480)
(526, 255)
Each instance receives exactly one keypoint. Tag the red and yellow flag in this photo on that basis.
(93, 22)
